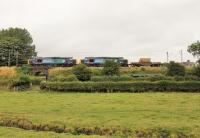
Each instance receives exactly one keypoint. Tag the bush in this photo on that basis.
(25, 69)
(111, 68)
(175, 69)
(142, 86)
(82, 72)
(196, 71)
(20, 82)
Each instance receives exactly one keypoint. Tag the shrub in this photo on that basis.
(142, 86)
(82, 72)
(20, 82)
(175, 69)
(111, 68)
(196, 71)
(25, 69)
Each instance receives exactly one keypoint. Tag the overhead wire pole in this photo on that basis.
(8, 57)
(181, 56)
(167, 57)
(17, 56)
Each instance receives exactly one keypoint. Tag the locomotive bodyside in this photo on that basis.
(53, 61)
(99, 61)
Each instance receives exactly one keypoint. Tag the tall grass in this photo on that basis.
(154, 70)
(60, 71)
(8, 72)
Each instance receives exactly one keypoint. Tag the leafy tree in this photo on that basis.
(196, 70)
(175, 69)
(82, 72)
(111, 68)
(194, 49)
(15, 46)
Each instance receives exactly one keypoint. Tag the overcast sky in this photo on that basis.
(127, 28)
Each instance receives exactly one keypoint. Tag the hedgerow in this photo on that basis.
(144, 78)
(112, 78)
(142, 86)
(102, 131)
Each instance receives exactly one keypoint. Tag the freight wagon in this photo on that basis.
(145, 62)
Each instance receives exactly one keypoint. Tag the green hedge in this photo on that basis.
(145, 78)
(111, 78)
(159, 86)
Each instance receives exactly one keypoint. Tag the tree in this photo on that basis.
(82, 72)
(111, 68)
(196, 70)
(175, 69)
(15, 46)
(194, 49)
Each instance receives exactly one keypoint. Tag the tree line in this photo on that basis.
(16, 47)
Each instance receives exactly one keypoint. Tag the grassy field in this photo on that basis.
(174, 111)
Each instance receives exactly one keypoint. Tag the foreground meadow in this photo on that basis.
(173, 111)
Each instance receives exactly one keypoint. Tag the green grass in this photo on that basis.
(174, 111)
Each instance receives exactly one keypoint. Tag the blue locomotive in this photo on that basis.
(53, 61)
(99, 61)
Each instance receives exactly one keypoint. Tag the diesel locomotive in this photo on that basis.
(89, 61)
(69, 61)
(99, 61)
(53, 61)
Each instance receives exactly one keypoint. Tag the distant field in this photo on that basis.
(174, 111)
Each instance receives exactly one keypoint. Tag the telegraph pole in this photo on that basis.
(167, 57)
(9, 58)
(181, 56)
(17, 56)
